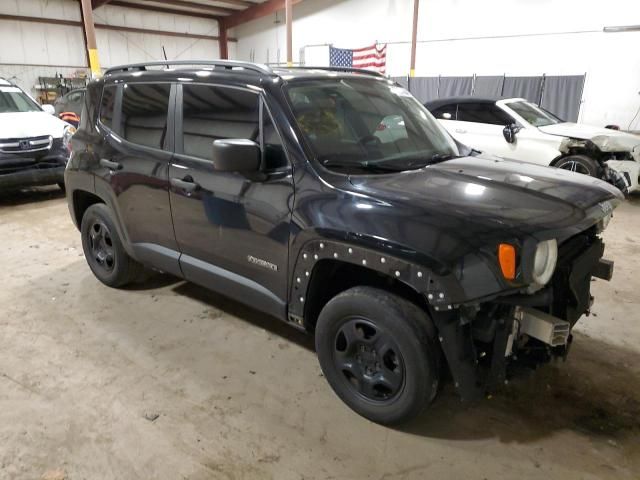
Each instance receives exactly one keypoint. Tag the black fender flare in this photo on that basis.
(436, 289)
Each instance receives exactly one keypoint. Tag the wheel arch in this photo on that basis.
(324, 269)
(81, 201)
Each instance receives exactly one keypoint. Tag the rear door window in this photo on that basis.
(445, 112)
(211, 113)
(483, 113)
(145, 113)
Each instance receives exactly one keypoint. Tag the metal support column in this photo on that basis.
(414, 37)
(223, 40)
(289, 20)
(90, 37)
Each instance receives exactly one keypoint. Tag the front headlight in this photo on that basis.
(69, 130)
(544, 261)
(603, 223)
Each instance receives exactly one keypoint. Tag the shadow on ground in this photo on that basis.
(596, 392)
(23, 196)
(246, 313)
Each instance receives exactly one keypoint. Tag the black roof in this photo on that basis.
(433, 104)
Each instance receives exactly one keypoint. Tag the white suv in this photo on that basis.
(517, 129)
(34, 144)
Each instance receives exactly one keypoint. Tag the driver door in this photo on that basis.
(232, 231)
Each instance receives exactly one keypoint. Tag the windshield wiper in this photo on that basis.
(369, 167)
(442, 157)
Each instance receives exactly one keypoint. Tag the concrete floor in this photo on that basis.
(84, 369)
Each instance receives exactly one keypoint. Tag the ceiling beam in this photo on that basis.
(171, 11)
(200, 6)
(98, 3)
(238, 3)
(102, 26)
(259, 10)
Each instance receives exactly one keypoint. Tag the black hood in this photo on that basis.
(472, 202)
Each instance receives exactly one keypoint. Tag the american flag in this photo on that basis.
(372, 58)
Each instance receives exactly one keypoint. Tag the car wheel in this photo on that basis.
(580, 164)
(103, 249)
(61, 185)
(378, 353)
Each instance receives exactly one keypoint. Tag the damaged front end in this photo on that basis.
(617, 155)
(484, 341)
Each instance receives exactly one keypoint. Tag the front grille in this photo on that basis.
(56, 156)
(25, 145)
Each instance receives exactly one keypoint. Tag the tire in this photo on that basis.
(581, 164)
(103, 249)
(378, 353)
(62, 187)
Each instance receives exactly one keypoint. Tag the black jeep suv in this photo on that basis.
(332, 200)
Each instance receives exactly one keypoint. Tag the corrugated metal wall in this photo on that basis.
(29, 50)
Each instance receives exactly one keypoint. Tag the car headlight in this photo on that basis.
(603, 223)
(69, 130)
(544, 261)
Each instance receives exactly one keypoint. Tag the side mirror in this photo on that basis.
(236, 155)
(509, 132)
(49, 109)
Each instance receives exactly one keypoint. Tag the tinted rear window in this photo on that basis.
(144, 113)
(445, 112)
(107, 105)
(483, 113)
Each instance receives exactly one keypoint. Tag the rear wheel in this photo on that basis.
(103, 249)
(580, 164)
(378, 353)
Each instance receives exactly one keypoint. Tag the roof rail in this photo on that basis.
(342, 69)
(227, 64)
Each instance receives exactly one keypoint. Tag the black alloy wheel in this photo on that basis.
(101, 245)
(104, 251)
(379, 353)
(369, 359)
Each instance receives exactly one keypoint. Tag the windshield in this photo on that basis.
(12, 99)
(364, 124)
(533, 114)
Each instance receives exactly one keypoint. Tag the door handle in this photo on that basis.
(187, 184)
(460, 130)
(109, 164)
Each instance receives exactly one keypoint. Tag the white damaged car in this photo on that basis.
(517, 129)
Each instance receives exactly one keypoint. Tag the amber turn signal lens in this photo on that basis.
(507, 259)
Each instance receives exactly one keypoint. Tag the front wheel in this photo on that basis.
(580, 164)
(378, 353)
